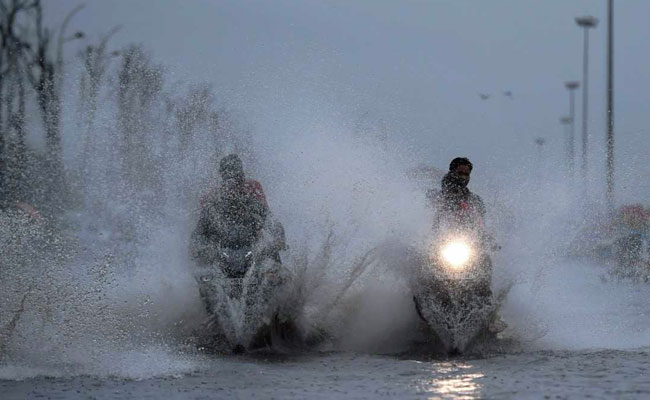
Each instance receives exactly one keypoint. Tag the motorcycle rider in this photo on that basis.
(233, 215)
(457, 204)
(455, 201)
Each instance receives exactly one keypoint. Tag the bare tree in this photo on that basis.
(28, 54)
(45, 73)
(140, 83)
(12, 98)
(192, 111)
(95, 61)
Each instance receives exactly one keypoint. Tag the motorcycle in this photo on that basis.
(245, 291)
(452, 292)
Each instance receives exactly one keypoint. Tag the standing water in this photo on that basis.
(105, 163)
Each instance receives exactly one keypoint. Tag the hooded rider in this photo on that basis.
(457, 205)
(455, 201)
(234, 215)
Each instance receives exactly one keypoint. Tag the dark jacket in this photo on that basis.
(458, 205)
(232, 218)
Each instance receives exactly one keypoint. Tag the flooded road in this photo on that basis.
(574, 333)
(542, 374)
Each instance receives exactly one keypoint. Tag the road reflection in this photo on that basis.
(453, 381)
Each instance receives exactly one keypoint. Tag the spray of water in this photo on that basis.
(109, 291)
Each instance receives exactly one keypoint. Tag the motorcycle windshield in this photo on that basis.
(235, 262)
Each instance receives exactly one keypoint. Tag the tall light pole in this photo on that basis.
(539, 142)
(610, 106)
(572, 86)
(540, 146)
(567, 123)
(585, 22)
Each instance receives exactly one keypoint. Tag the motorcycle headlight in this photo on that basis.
(456, 253)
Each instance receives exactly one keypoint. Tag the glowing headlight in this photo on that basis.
(456, 253)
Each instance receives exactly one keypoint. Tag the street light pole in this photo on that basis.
(567, 122)
(572, 86)
(610, 106)
(540, 145)
(585, 22)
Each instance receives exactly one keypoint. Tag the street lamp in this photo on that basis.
(567, 122)
(540, 141)
(585, 22)
(610, 107)
(571, 87)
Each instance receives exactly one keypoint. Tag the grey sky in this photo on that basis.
(418, 65)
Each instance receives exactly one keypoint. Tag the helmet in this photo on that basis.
(231, 168)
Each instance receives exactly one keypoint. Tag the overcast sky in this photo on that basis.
(417, 65)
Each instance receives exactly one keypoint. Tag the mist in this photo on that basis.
(331, 106)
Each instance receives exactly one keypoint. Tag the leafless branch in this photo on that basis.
(64, 26)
